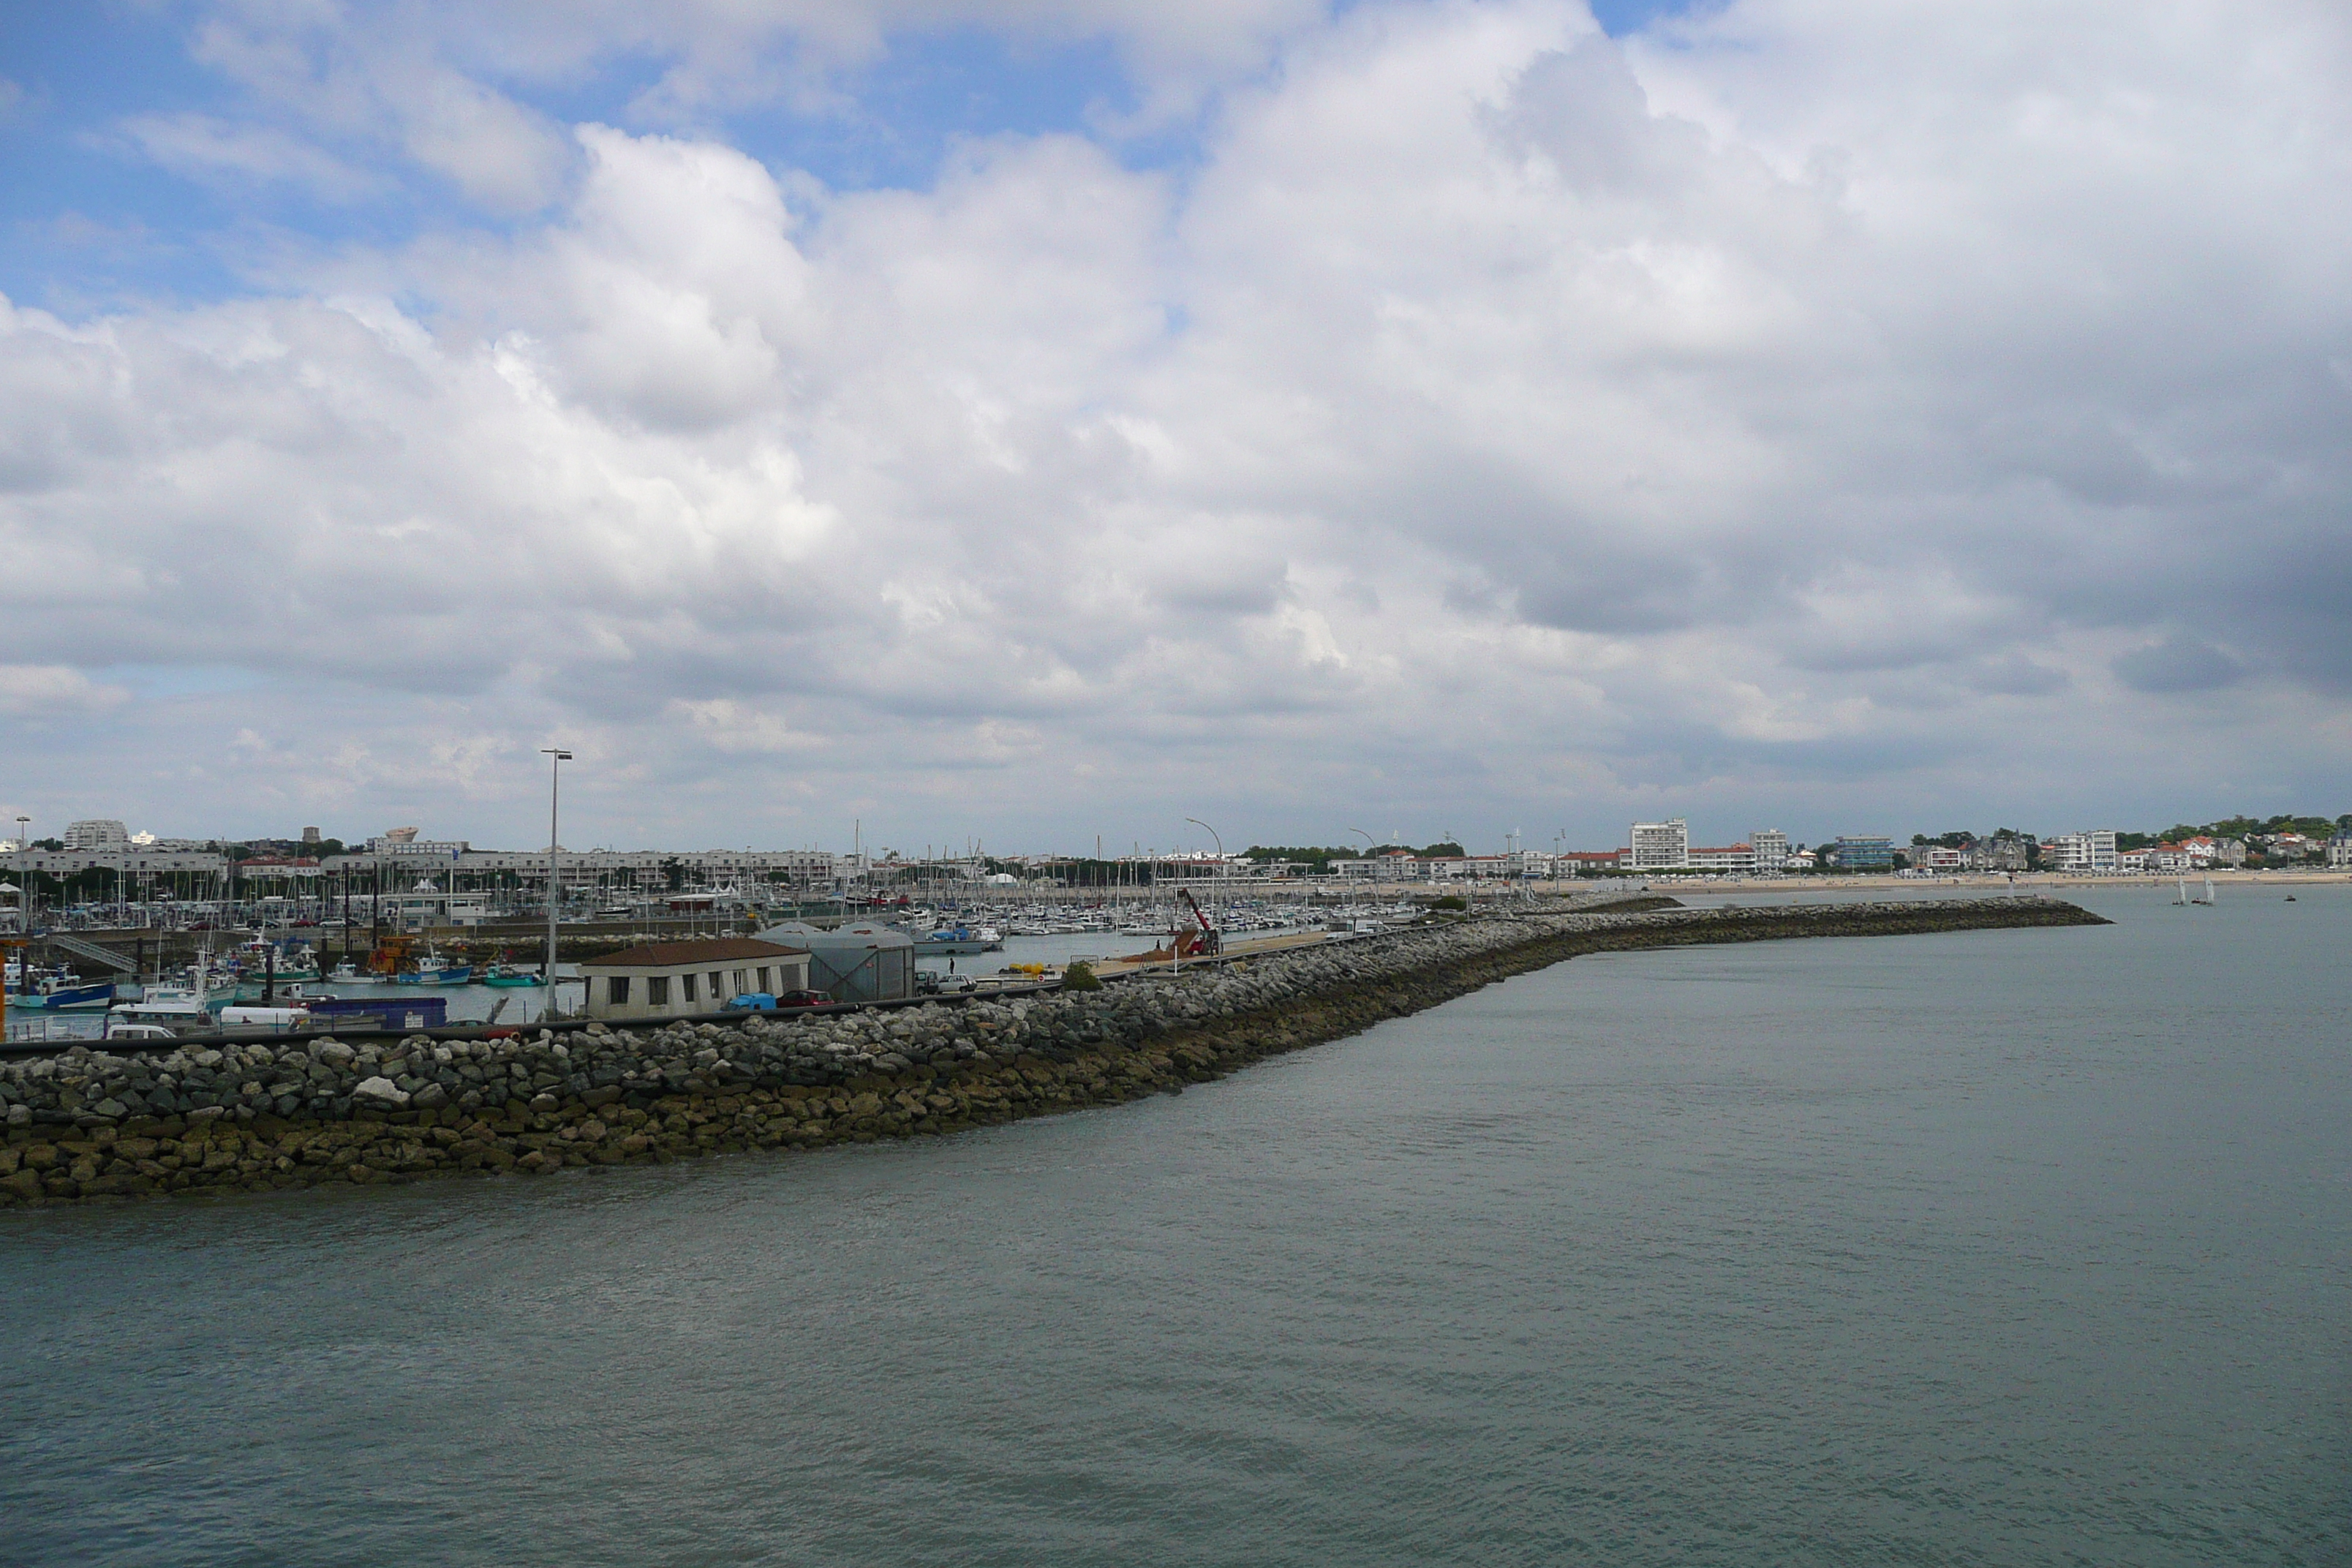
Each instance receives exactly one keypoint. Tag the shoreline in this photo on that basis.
(258, 1119)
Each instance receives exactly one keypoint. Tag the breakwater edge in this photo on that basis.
(93, 1125)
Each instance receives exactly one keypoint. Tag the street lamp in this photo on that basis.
(1218, 837)
(24, 890)
(556, 757)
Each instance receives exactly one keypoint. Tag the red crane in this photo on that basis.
(1208, 943)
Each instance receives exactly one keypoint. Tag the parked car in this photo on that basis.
(805, 999)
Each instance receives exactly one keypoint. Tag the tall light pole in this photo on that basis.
(556, 757)
(25, 891)
(1221, 843)
(1369, 846)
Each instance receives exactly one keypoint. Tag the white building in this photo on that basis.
(1658, 846)
(1727, 858)
(2091, 851)
(1771, 847)
(667, 979)
(98, 833)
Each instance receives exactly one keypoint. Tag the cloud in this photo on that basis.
(31, 690)
(1794, 416)
(2177, 665)
(222, 153)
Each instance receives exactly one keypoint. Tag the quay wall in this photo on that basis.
(92, 1125)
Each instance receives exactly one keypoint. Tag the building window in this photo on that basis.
(616, 991)
(716, 982)
(688, 981)
(763, 979)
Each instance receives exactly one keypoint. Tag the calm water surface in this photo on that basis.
(1999, 1247)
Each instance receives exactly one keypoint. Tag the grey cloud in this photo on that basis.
(1585, 111)
(2179, 664)
(2018, 676)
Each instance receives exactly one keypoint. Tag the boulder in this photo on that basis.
(379, 1094)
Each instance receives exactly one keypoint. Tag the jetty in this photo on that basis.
(100, 1123)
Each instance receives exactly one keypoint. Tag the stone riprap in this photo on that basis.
(92, 1124)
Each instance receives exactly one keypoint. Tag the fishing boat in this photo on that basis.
(431, 970)
(276, 992)
(507, 975)
(66, 995)
(288, 962)
(178, 1008)
(951, 941)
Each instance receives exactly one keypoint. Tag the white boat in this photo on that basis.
(174, 1006)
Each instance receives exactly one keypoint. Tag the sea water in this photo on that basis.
(1995, 1247)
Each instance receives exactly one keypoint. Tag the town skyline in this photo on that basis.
(1487, 414)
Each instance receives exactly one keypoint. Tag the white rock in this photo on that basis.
(380, 1091)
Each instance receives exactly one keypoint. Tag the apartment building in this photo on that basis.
(1658, 846)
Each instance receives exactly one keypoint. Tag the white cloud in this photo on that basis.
(1814, 416)
(224, 153)
(35, 691)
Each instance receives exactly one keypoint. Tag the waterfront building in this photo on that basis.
(2081, 852)
(1865, 852)
(862, 961)
(102, 834)
(401, 843)
(1727, 858)
(1591, 862)
(2339, 851)
(1771, 847)
(1658, 846)
(2287, 848)
(667, 979)
(2001, 853)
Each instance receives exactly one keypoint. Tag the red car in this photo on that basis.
(803, 999)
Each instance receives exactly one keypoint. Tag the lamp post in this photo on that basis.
(25, 891)
(1369, 846)
(1218, 837)
(556, 757)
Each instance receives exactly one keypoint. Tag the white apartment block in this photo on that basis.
(1728, 857)
(1771, 847)
(97, 833)
(1658, 846)
(2092, 851)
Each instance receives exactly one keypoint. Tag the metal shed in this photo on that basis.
(862, 961)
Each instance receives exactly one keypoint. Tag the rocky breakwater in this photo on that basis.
(90, 1124)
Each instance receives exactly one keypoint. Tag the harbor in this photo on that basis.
(150, 1118)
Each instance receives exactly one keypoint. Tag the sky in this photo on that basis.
(1042, 422)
